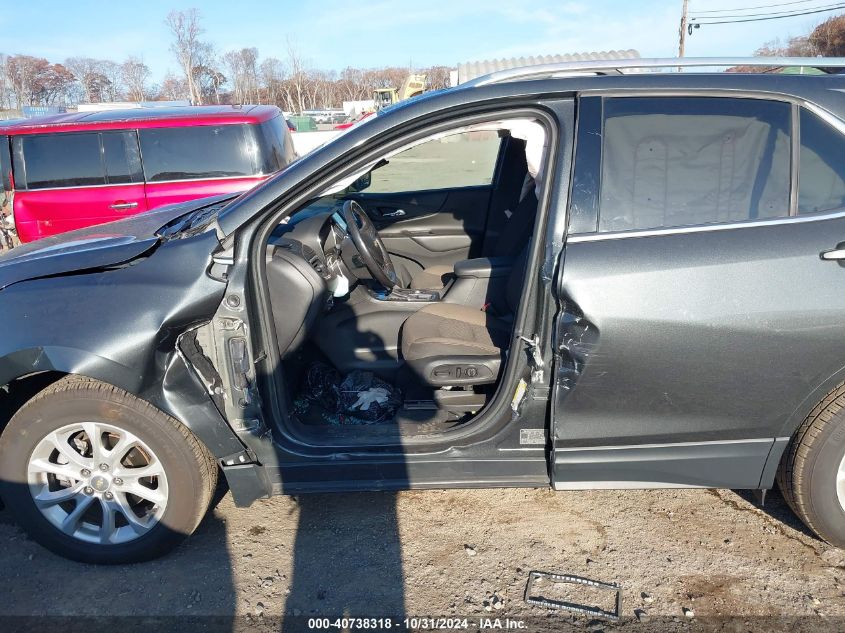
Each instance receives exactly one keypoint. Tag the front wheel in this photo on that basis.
(96, 475)
(811, 476)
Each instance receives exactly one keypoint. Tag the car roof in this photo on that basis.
(145, 117)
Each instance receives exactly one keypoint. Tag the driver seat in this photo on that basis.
(449, 344)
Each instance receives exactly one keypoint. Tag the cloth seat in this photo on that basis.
(447, 344)
(453, 329)
(453, 344)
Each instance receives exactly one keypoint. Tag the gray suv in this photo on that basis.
(576, 276)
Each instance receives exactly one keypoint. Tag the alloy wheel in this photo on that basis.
(97, 483)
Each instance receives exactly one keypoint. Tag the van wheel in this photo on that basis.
(94, 474)
(811, 476)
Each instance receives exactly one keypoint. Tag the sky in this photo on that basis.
(333, 34)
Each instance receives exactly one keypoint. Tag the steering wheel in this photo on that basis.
(369, 245)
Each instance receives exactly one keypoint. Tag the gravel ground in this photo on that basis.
(712, 555)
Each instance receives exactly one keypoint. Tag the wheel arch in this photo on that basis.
(178, 393)
(793, 423)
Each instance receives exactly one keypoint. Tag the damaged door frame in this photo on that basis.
(497, 436)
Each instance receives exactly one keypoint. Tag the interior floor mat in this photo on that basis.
(360, 398)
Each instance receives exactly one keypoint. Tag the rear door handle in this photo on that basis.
(119, 206)
(394, 214)
(837, 254)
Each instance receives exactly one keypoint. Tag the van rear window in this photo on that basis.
(208, 151)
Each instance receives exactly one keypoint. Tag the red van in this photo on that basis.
(70, 171)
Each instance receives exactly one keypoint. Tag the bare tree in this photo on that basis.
(436, 77)
(298, 78)
(98, 79)
(242, 66)
(186, 46)
(135, 75)
(86, 71)
(353, 86)
(23, 73)
(113, 89)
(272, 73)
(5, 85)
(173, 89)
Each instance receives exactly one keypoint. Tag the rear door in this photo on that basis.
(430, 202)
(70, 181)
(186, 163)
(697, 312)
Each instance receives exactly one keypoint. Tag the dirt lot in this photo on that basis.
(457, 553)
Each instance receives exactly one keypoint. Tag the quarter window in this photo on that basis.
(680, 161)
(208, 151)
(821, 178)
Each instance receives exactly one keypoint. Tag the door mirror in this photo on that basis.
(361, 182)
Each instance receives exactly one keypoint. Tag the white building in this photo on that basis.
(471, 70)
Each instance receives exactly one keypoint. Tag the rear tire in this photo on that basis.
(811, 476)
(115, 513)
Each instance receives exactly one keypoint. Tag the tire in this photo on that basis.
(807, 476)
(45, 437)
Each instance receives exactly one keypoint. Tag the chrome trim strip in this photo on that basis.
(794, 153)
(619, 485)
(146, 183)
(164, 182)
(623, 447)
(704, 228)
(114, 184)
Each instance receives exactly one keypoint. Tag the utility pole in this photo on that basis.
(682, 32)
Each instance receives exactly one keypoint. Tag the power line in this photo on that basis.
(762, 6)
(771, 17)
(767, 13)
(773, 13)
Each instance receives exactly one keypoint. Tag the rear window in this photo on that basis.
(681, 161)
(210, 151)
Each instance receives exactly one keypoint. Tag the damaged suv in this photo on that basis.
(568, 275)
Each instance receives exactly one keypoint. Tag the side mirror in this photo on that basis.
(362, 182)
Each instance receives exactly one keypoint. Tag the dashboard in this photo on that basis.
(316, 235)
(306, 272)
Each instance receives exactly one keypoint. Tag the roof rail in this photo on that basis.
(617, 66)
